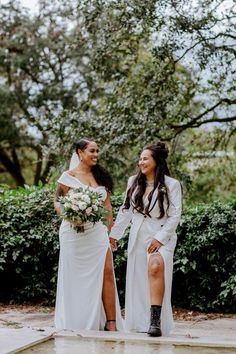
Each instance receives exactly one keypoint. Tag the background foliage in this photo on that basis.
(204, 266)
(204, 271)
(29, 245)
(124, 73)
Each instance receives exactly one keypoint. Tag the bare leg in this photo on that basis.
(108, 292)
(157, 287)
(156, 278)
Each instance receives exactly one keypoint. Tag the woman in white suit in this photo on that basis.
(153, 207)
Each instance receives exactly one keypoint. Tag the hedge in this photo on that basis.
(28, 245)
(204, 262)
(205, 258)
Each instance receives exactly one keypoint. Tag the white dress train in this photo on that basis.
(82, 257)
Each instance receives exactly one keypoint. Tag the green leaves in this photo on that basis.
(28, 244)
(204, 262)
(123, 73)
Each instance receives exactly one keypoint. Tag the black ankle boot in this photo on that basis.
(155, 321)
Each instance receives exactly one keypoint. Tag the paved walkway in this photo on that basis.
(19, 330)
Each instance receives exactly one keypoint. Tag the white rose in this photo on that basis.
(76, 202)
(86, 199)
(95, 208)
(75, 207)
(82, 205)
(75, 197)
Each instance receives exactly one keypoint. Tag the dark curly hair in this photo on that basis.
(159, 153)
(101, 175)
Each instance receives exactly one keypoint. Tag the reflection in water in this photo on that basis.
(72, 345)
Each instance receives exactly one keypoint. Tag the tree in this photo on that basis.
(208, 161)
(141, 55)
(202, 36)
(139, 94)
(38, 81)
(123, 73)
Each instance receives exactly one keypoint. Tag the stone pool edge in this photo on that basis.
(142, 337)
(132, 337)
(31, 344)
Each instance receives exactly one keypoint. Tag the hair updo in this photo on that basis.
(160, 149)
(82, 144)
(159, 153)
(101, 175)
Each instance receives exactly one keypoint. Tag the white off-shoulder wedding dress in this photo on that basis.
(80, 275)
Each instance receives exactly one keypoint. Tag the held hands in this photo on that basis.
(154, 246)
(113, 243)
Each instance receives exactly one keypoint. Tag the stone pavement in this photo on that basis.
(19, 329)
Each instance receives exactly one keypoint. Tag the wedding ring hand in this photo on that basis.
(154, 246)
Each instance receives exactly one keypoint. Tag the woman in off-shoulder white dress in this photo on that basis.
(86, 291)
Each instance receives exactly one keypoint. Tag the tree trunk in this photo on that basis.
(38, 166)
(12, 167)
(49, 164)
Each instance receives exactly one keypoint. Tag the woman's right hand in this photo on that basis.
(113, 243)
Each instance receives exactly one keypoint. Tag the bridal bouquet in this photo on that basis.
(80, 206)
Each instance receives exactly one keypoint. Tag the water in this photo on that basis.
(72, 345)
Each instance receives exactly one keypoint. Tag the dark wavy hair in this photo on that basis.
(159, 153)
(101, 175)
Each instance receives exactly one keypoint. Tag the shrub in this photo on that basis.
(204, 262)
(120, 256)
(28, 245)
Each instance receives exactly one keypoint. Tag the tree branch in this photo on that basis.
(12, 167)
(204, 40)
(194, 122)
(214, 120)
(39, 164)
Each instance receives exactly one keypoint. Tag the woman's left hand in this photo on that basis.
(113, 243)
(154, 246)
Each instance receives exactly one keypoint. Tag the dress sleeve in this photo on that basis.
(66, 180)
(174, 214)
(123, 218)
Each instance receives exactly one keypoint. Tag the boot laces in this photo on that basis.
(155, 318)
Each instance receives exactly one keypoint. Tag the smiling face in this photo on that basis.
(89, 155)
(147, 164)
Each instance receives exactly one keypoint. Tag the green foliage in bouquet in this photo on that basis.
(81, 206)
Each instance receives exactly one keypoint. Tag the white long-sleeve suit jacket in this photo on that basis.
(164, 229)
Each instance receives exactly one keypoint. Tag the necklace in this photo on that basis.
(150, 184)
